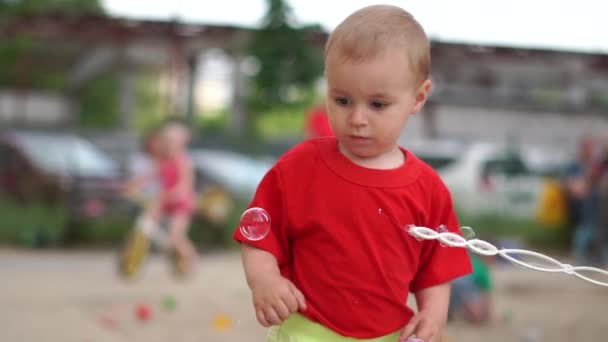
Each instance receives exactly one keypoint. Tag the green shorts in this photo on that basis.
(297, 328)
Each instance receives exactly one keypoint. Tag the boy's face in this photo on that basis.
(369, 102)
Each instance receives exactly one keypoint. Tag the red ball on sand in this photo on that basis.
(143, 312)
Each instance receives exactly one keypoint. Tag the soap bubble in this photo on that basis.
(255, 224)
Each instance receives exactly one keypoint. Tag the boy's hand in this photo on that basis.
(275, 298)
(426, 326)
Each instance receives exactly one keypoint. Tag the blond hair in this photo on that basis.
(373, 30)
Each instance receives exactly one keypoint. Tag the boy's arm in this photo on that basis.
(274, 297)
(258, 263)
(432, 314)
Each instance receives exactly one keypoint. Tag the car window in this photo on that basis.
(437, 154)
(509, 165)
(437, 162)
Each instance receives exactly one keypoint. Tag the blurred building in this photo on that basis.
(85, 47)
(480, 93)
(502, 93)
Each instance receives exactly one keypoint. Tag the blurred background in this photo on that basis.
(516, 125)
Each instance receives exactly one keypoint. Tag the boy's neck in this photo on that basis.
(385, 161)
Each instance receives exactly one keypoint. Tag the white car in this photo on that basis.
(484, 178)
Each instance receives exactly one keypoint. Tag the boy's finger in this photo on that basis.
(425, 335)
(410, 327)
(262, 318)
(291, 302)
(299, 297)
(281, 310)
(272, 317)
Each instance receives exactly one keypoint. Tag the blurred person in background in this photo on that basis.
(471, 295)
(602, 188)
(582, 201)
(143, 191)
(143, 185)
(162, 186)
(177, 199)
(575, 180)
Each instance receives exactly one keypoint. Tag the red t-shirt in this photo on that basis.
(337, 233)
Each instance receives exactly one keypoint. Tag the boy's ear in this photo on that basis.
(422, 94)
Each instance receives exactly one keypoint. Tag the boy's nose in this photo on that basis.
(358, 117)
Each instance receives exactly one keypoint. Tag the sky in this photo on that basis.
(558, 24)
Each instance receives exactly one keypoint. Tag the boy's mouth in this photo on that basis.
(359, 137)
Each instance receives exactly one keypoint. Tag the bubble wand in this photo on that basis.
(485, 248)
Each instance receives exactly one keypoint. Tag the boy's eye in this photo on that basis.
(342, 101)
(378, 104)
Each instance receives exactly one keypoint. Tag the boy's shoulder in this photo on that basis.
(304, 153)
(427, 174)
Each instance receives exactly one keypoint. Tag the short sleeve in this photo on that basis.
(270, 196)
(440, 264)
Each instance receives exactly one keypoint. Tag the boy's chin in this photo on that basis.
(359, 153)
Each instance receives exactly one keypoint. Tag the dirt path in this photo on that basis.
(59, 296)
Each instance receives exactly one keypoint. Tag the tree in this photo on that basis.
(289, 62)
(16, 51)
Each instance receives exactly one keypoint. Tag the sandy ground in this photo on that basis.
(76, 296)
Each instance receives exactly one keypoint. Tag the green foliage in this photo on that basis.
(213, 123)
(282, 121)
(18, 69)
(289, 63)
(148, 102)
(10, 52)
(32, 225)
(76, 7)
(99, 103)
(103, 232)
